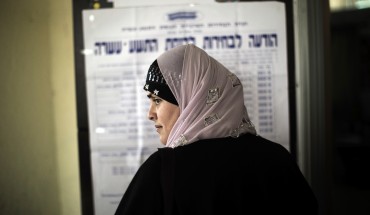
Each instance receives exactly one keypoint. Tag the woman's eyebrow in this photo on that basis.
(150, 96)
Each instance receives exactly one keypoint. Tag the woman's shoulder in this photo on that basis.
(155, 160)
(246, 147)
(265, 149)
(151, 165)
(247, 142)
(256, 142)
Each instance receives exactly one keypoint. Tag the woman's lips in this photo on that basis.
(158, 127)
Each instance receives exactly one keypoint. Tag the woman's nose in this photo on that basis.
(151, 117)
(151, 113)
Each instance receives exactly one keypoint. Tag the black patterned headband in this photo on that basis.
(156, 84)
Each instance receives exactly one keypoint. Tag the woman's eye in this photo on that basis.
(157, 101)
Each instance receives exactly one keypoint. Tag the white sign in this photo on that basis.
(145, 3)
(120, 45)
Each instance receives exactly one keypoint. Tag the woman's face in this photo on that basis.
(164, 115)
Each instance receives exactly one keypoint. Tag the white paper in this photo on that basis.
(120, 45)
(145, 3)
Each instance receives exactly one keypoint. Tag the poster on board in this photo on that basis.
(145, 3)
(249, 38)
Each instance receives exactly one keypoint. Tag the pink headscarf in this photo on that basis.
(210, 97)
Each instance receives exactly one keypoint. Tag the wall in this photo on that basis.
(38, 141)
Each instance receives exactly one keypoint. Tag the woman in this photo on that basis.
(213, 162)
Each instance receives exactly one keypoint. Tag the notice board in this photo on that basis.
(118, 46)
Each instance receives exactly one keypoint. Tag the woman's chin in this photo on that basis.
(163, 140)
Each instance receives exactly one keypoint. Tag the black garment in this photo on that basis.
(228, 176)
